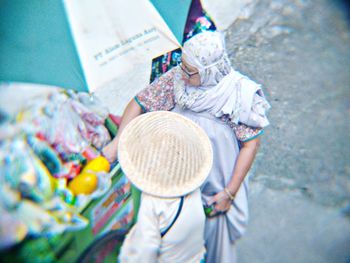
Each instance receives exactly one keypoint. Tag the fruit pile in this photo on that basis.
(50, 164)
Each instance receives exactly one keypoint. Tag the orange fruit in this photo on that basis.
(83, 183)
(99, 164)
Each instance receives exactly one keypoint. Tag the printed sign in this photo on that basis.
(114, 39)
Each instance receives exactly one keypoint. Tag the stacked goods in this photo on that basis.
(50, 164)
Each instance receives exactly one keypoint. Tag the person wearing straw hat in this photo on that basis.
(167, 157)
(231, 109)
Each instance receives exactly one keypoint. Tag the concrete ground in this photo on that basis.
(299, 50)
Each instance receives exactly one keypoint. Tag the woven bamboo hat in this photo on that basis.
(165, 154)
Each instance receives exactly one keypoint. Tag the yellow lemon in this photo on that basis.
(99, 164)
(84, 183)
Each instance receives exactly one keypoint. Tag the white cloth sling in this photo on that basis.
(184, 242)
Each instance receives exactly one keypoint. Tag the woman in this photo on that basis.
(231, 109)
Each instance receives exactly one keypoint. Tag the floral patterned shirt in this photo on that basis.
(159, 95)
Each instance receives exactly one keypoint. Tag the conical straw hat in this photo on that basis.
(165, 154)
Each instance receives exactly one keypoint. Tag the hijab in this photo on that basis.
(223, 91)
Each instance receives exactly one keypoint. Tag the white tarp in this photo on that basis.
(225, 12)
(116, 41)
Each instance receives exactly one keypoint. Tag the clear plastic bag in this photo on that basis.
(25, 173)
(96, 133)
(67, 130)
(93, 103)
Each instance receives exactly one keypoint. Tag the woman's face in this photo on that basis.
(190, 74)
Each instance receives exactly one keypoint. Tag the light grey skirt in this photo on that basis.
(221, 231)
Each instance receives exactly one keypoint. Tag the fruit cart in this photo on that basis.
(110, 217)
(60, 200)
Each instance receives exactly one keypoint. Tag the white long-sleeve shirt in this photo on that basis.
(184, 242)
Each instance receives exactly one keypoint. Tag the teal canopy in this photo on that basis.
(174, 14)
(37, 46)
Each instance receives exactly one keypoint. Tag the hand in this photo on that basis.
(222, 203)
(110, 152)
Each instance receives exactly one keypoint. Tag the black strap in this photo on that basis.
(162, 234)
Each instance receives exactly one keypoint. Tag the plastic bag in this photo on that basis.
(24, 172)
(67, 130)
(93, 103)
(96, 133)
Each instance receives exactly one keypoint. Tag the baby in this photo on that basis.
(167, 157)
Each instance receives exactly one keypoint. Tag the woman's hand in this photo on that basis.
(110, 151)
(222, 203)
(132, 110)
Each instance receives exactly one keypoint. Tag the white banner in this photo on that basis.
(225, 12)
(114, 38)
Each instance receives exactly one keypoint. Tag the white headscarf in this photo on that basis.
(225, 91)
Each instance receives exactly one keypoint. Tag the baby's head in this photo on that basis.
(205, 52)
(165, 154)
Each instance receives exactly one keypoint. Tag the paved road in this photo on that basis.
(300, 185)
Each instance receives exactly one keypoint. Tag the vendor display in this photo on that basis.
(50, 165)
